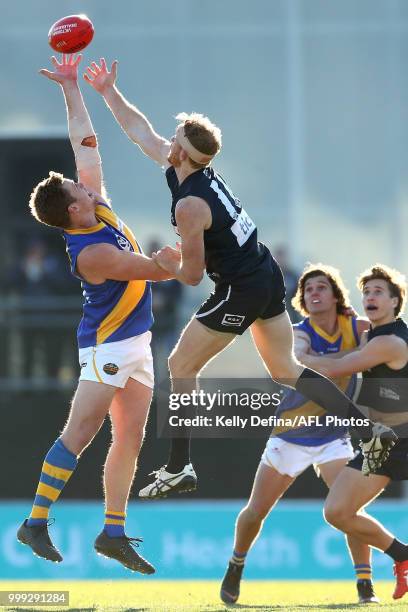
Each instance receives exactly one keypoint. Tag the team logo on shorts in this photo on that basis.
(231, 319)
(82, 365)
(111, 369)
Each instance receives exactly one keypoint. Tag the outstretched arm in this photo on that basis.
(383, 349)
(81, 132)
(131, 120)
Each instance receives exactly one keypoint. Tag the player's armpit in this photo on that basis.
(99, 262)
(152, 145)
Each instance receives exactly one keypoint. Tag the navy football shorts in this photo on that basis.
(234, 306)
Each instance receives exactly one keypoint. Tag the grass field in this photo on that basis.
(140, 595)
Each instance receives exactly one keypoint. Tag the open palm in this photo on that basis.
(99, 77)
(65, 71)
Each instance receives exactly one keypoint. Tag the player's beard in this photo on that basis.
(174, 159)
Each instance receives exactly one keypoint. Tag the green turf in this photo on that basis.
(141, 594)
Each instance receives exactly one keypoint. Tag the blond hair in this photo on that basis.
(204, 135)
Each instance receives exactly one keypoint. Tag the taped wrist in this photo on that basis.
(84, 143)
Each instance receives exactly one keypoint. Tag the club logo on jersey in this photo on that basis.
(232, 319)
(389, 394)
(111, 369)
(123, 243)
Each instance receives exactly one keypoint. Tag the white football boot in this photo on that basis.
(165, 483)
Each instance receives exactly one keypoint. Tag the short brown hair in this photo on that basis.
(49, 202)
(396, 281)
(204, 135)
(333, 276)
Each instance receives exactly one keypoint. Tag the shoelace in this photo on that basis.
(156, 473)
(368, 590)
(42, 528)
(134, 541)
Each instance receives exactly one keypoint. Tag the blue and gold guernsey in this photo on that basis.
(113, 310)
(296, 405)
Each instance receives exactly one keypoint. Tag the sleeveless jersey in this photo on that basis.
(385, 390)
(113, 310)
(296, 405)
(231, 245)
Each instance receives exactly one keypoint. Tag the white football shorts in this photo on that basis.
(293, 459)
(113, 363)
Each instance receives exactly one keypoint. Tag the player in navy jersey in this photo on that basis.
(219, 236)
(383, 361)
(327, 329)
(113, 335)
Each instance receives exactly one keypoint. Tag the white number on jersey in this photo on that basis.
(243, 226)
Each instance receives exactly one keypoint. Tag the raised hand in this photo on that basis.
(66, 71)
(99, 77)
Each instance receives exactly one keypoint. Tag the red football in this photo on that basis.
(71, 34)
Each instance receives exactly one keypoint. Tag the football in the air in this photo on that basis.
(71, 34)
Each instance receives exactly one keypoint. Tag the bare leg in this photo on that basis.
(273, 339)
(360, 552)
(350, 493)
(269, 486)
(128, 413)
(89, 407)
(196, 347)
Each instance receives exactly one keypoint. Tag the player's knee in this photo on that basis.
(131, 437)
(284, 369)
(180, 366)
(78, 436)
(337, 515)
(254, 514)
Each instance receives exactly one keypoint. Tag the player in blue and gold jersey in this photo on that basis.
(327, 329)
(113, 335)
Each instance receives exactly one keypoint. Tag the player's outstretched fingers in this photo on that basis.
(114, 68)
(46, 73)
(91, 72)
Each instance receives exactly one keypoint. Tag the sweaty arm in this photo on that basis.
(390, 350)
(99, 262)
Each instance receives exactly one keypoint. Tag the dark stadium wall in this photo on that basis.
(24, 161)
